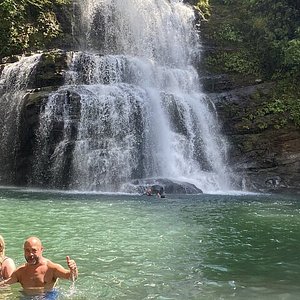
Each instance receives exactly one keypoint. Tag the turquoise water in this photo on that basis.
(180, 247)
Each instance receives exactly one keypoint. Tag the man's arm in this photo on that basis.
(11, 280)
(61, 272)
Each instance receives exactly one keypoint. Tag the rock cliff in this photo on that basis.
(265, 157)
(264, 148)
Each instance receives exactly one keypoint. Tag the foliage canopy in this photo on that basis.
(260, 39)
(27, 24)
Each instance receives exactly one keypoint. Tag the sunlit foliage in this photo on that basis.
(27, 24)
(259, 40)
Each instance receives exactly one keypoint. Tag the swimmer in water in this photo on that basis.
(7, 265)
(40, 273)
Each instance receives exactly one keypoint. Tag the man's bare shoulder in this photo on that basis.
(53, 265)
(18, 273)
(21, 268)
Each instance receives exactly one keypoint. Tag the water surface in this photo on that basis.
(180, 247)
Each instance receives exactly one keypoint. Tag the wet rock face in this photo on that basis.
(269, 160)
(29, 122)
(264, 159)
(50, 70)
(46, 77)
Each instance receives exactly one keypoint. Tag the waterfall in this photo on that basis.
(14, 81)
(132, 106)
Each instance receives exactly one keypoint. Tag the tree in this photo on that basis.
(27, 24)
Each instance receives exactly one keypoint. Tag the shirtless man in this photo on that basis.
(40, 272)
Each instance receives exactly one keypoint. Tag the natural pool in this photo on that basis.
(180, 247)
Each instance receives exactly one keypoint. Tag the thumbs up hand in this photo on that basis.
(73, 268)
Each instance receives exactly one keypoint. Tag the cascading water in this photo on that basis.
(132, 107)
(14, 82)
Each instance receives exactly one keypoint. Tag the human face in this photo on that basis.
(33, 252)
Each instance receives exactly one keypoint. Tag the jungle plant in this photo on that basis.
(27, 24)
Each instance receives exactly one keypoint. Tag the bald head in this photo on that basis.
(33, 250)
(33, 240)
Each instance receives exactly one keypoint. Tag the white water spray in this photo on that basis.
(14, 81)
(142, 112)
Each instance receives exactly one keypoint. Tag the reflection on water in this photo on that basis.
(180, 247)
(6, 293)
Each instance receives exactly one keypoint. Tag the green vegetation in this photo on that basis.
(259, 40)
(278, 109)
(253, 39)
(28, 24)
(204, 9)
